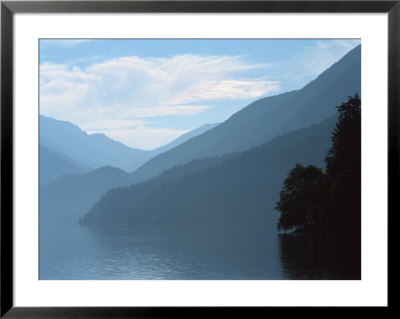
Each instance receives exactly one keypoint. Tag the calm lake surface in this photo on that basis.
(227, 253)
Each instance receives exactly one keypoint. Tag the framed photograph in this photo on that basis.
(186, 158)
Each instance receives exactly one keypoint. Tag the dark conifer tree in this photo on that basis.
(335, 197)
(343, 167)
(345, 153)
(312, 200)
(303, 199)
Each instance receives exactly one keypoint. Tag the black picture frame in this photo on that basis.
(9, 8)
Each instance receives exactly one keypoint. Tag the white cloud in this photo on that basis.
(227, 90)
(110, 92)
(181, 110)
(63, 88)
(95, 125)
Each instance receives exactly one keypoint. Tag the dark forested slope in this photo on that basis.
(242, 188)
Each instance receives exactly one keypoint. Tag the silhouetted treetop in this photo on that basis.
(302, 199)
(345, 153)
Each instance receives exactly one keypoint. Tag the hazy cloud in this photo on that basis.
(315, 59)
(145, 87)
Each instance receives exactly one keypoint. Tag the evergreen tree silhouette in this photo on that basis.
(314, 201)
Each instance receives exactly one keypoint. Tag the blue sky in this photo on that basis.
(145, 93)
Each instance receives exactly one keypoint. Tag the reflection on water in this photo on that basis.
(222, 253)
(315, 256)
(304, 256)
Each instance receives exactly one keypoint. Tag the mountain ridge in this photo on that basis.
(97, 150)
(243, 187)
(263, 119)
(54, 164)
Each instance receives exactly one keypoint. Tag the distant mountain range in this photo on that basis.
(244, 159)
(66, 149)
(93, 150)
(54, 164)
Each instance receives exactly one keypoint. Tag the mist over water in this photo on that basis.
(241, 252)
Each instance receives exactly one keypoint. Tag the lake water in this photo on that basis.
(227, 253)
